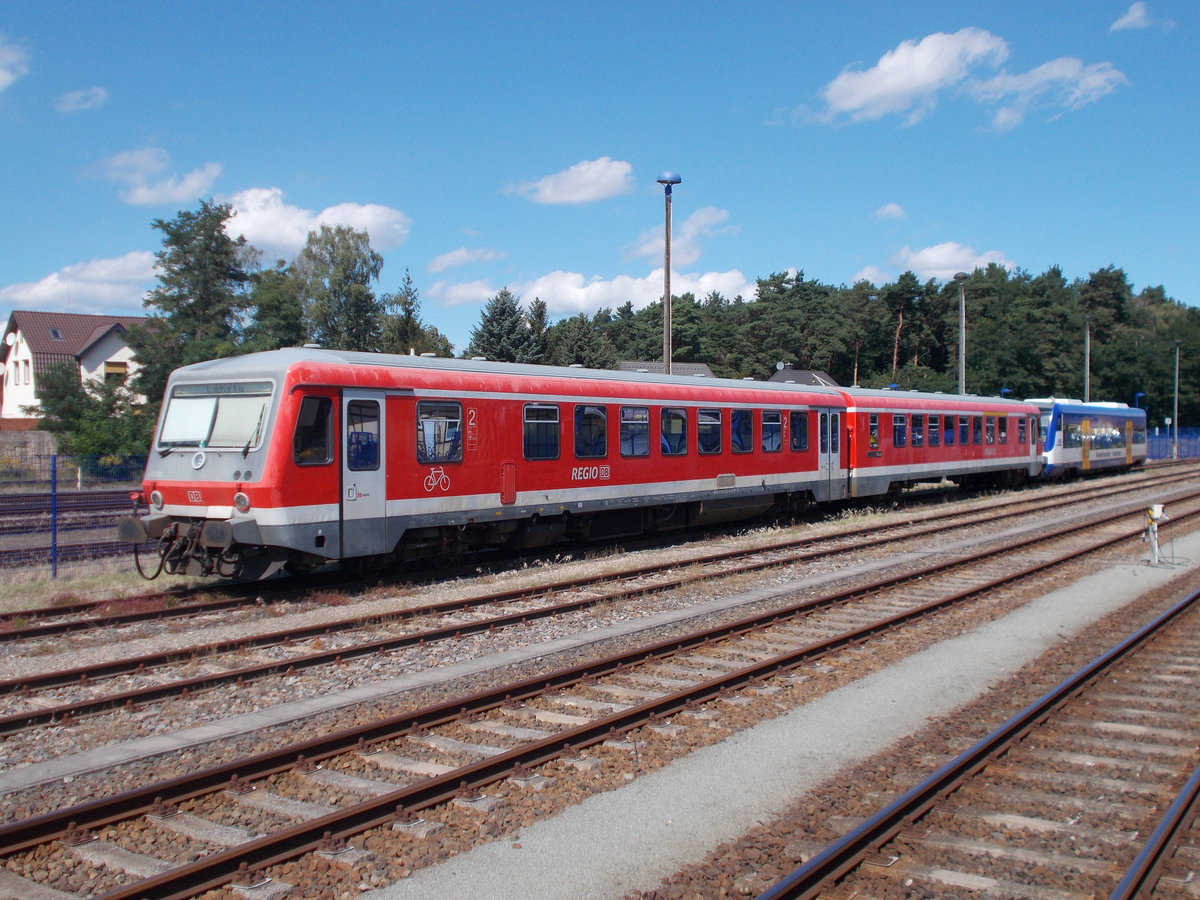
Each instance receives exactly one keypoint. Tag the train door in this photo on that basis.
(1128, 429)
(364, 474)
(1085, 444)
(829, 456)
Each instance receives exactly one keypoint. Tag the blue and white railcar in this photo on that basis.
(1080, 437)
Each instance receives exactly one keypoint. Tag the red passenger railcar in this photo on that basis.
(300, 457)
(903, 438)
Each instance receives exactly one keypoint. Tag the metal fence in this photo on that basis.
(1161, 443)
(57, 511)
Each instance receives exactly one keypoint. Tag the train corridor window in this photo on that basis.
(798, 422)
(949, 431)
(635, 431)
(311, 442)
(708, 431)
(935, 431)
(964, 430)
(899, 431)
(362, 435)
(977, 429)
(1002, 424)
(741, 430)
(772, 431)
(591, 432)
(918, 430)
(541, 431)
(1021, 432)
(439, 432)
(673, 424)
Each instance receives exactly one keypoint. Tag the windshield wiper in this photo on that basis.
(257, 431)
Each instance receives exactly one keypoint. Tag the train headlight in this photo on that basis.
(242, 502)
(156, 499)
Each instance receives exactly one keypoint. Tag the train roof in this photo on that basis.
(1097, 407)
(280, 360)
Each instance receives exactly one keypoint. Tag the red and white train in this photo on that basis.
(302, 457)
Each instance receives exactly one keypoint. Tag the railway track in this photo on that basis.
(386, 785)
(1090, 791)
(125, 683)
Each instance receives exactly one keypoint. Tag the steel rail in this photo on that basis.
(81, 676)
(218, 869)
(133, 664)
(806, 881)
(18, 836)
(245, 589)
(1143, 872)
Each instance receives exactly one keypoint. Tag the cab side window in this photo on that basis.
(311, 444)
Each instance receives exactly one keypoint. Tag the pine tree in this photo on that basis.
(503, 333)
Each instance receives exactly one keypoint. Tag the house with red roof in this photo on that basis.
(34, 342)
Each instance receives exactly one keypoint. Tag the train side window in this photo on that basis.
(899, 431)
(439, 432)
(798, 421)
(964, 430)
(935, 431)
(1021, 432)
(741, 430)
(311, 443)
(635, 431)
(674, 431)
(1002, 429)
(541, 431)
(918, 430)
(873, 431)
(772, 431)
(362, 435)
(977, 429)
(591, 432)
(949, 431)
(708, 431)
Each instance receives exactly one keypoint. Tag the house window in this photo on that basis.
(25, 364)
(56, 334)
(115, 372)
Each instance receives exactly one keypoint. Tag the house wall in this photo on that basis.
(112, 349)
(18, 379)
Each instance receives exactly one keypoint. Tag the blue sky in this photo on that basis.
(491, 145)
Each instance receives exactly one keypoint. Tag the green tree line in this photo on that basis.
(1025, 333)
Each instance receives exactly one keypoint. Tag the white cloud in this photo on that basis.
(1138, 16)
(102, 286)
(889, 211)
(461, 293)
(14, 63)
(584, 182)
(463, 256)
(685, 237)
(907, 80)
(873, 274)
(280, 229)
(1064, 83)
(941, 261)
(141, 171)
(76, 101)
(568, 293)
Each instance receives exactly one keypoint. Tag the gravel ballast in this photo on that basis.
(628, 840)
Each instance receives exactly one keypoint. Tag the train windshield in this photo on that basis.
(229, 415)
